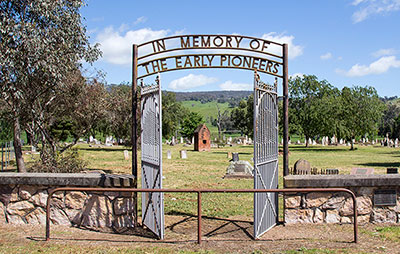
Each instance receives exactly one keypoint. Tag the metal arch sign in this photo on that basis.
(216, 51)
(262, 55)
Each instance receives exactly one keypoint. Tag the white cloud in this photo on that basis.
(191, 81)
(374, 7)
(326, 56)
(139, 20)
(230, 86)
(380, 66)
(384, 52)
(294, 50)
(296, 75)
(117, 46)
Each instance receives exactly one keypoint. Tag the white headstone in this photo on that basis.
(298, 142)
(33, 149)
(173, 141)
(91, 139)
(309, 141)
(126, 155)
(341, 141)
(289, 142)
(181, 140)
(183, 154)
(193, 140)
(373, 142)
(169, 154)
(314, 143)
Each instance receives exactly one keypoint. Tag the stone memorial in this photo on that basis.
(181, 140)
(239, 169)
(202, 137)
(235, 156)
(169, 154)
(362, 171)
(392, 171)
(126, 155)
(183, 154)
(302, 167)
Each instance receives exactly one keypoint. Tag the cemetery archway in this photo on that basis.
(239, 52)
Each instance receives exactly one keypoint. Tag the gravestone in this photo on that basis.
(183, 154)
(235, 156)
(392, 171)
(332, 171)
(181, 140)
(239, 169)
(126, 155)
(169, 154)
(362, 171)
(302, 167)
(173, 141)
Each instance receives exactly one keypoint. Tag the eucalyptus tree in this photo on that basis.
(311, 102)
(362, 111)
(41, 42)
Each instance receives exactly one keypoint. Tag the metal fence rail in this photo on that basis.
(199, 192)
(7, 154)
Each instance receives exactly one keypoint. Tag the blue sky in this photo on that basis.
(346, 42)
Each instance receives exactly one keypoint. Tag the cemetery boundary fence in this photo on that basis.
(7, 154)
(199, 193)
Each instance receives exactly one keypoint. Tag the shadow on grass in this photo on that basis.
(381, 164)
(233, 152)
(317, 149)
(104, 149)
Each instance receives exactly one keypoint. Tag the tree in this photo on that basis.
(243, 115)
(119, 112)
(41, 42)
(388, 123)
(190, 123)
(173, 114)
(361, 112)
(311, 102)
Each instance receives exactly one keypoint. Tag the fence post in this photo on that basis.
(2, 152)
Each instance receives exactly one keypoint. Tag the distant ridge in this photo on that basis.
(207, 96)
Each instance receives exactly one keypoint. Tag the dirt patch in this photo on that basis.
(232, 235)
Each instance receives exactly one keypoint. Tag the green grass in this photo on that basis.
(390, 233)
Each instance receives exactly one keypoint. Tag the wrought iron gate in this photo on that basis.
(265, 155)
(152, 203)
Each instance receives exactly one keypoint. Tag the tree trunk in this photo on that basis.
(306, 141)
(18, 146)
(352, 144)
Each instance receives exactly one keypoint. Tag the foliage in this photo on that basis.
(119, 112)
(243, 116)
(388, 124)
(190, 123)
(361, 112)
(173, 114)
(41, 43)
(311, 102)
(68, 162)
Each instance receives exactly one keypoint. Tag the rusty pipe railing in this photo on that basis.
(199, 192)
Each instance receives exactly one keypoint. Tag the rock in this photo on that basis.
(364, 206)
(318, 216)
(332, 216)
(74, 216)
(5, 194)
(299, 216)
(14, 195)
(37, 217)
(2, 213)
(124, 221)
(316, 199)
(75, 200)
(346, 220)
(58, 194)
(20, 208)
(292, 201)
(363, 219)
(97, 212)
(26, 192)
(40, 199)
(333, 203)
(124, 206)
(15, 219)
(58, 217)
(381, 215)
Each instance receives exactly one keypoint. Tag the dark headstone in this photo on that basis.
(235, 156)
(302, 167)
(392, 171)
(385, 197)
